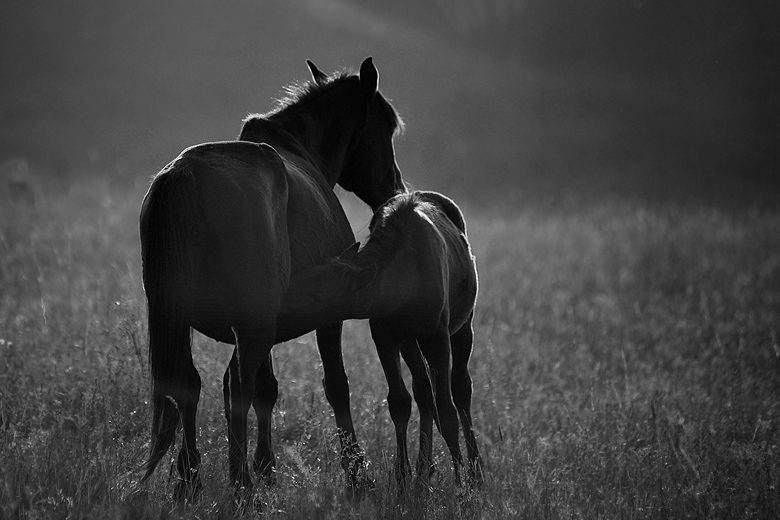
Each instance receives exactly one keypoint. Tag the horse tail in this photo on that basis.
(167, 226)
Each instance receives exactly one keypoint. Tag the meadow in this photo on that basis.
(626, 365)
(619, 178)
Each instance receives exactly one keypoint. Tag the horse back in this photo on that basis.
(447, 206)
(446, 239)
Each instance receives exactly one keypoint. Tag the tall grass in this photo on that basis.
(626, 365)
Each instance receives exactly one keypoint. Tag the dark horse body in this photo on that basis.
(222, 228)
(416, 280)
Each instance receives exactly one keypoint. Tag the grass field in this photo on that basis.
(626, 365)
(619, 179)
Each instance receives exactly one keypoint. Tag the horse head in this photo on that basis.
(370, 170)
(344, 125)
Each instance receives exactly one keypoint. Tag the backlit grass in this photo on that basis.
(626, 365)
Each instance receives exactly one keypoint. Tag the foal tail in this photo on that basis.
(167, 223)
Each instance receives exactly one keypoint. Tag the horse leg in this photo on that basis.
(398, 401)
(188, 461)
(337, 392)
(423, 395)
(436, 350)
(266, 392)
(462, 342)
(253, 346)
(231, 372)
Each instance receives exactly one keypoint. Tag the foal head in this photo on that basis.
(327, 292)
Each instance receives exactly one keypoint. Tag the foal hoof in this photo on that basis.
(359, 482)
(359, 487)
(357, 474)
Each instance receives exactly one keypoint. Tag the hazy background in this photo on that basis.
(525, 100)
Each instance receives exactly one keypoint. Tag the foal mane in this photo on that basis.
(390, 226)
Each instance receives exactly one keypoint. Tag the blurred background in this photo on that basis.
(518, 101)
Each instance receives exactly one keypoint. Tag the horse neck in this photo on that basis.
(326, 140)
(278, 134)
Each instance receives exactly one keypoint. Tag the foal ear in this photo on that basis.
(369, 77)
(317, 75)
(349, 253)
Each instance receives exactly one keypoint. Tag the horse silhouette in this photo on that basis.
(416, 281)
(224, 225)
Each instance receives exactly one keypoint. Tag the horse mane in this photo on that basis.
(300, 95)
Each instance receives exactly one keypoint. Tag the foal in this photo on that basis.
(416, 280)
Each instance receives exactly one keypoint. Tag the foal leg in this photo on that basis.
(253, 347)
(436, 350)
(337, 392)
(266, 392)
(188, 462)
(398, 401)
(423, 395)
(462, 342)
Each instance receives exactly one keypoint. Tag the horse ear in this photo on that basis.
(317, 75)
(369, 77)
(349, 253)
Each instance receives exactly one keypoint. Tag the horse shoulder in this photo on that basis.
(319, 229)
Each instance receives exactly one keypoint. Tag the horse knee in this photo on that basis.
(266, 390)
(448, 418)
(336, 388)
(400, 404)
(461, 389)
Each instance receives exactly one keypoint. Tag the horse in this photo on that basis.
(415, 279)
(222, 228)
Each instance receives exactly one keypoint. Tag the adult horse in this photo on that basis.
(222, 228)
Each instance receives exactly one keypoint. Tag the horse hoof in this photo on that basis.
(187, 492)
(424, 473)
(242, 485)
(266, 472)
(268, 478)
(402, 481)
(476, 477)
